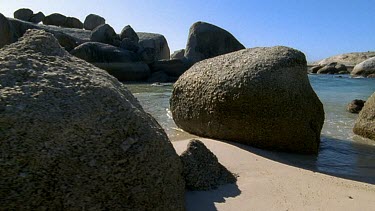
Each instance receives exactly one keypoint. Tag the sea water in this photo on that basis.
(341, 152)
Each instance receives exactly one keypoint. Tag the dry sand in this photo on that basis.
(265, 184)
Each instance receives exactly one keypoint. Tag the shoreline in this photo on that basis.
(266, 184)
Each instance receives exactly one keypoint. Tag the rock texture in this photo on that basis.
(179, 54)
(206, 41)
(7, 32)
(260, 97)
(355, 106)
(201, 168)
(156, 42)
(365, 123)
(54, 19)
(348, 59)
(92, 21)
(365, 68)
(105, 34)
(72, 22)
(74, 138)
(24, 14)
(37, 18)
(129, 33)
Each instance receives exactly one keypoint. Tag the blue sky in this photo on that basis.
(317, 28)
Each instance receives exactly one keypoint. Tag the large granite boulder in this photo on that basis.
(37, 18)
(201, 168)
(55, 19)
(259, 96)
(105, 34)
(365, 68)
(7, 33)
(179, 54)
(365, 123)
(95, 52)
(92, 21)
(206, 41)
(157, 42)
(24, 14)
(72, 22)
(129, 33)
(348, 59)
(74, 138)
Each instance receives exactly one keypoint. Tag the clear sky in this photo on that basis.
(316, 27)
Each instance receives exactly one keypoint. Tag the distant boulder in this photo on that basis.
(206, 41)
(7, 32)
(129, 45)
(201, 168)
(348, 59)
(95, 52)
(365, 123)
(355, 106)
(157, 42)
(179, 54)
(173, 67)
(24, 14)
(129, 33)
(365, 68)
(333, 68)
(37, 18)
(72, 22)
(105, 34)
(54, 19)
(314, 69)
(92, 21)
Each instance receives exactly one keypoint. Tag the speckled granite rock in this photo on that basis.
(201, 168)
(74, 138)
(260, 97)
(365, 123)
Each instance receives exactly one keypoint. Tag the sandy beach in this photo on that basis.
(266, 184)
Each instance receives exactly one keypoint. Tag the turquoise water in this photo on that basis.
(341, 152)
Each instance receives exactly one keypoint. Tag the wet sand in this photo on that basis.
(265, 184)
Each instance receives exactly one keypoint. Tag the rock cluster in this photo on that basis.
(331, 68)
(73, 137)
(201, 168)
(26, 14)
(259, 96)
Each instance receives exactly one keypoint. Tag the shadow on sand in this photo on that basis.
(204, 200)
(340, 158)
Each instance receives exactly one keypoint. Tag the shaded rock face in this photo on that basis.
(129, 45)
(126, 71)
(160, 77)
(23, 14)
(73, 137)
(333, 68)
(365, 68)
(315, 69)
(157, 42)
(365, 123)
(174, 67)
(206, 41)
(129, 33)
(7, 32)
(348, 59)
(179, 54)
(355, 106)
(245, 97)
(92, 21)
(72, 22)
(201, 168)
(37, 18)
(104, 34)
(54, 19)
(95, 52)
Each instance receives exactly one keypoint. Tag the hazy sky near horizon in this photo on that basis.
(318, 28)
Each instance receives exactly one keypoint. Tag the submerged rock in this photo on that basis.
(355, 106)
(365, 123)
(259, 96)
(206, 41)
(74, 138)
(201, 168)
